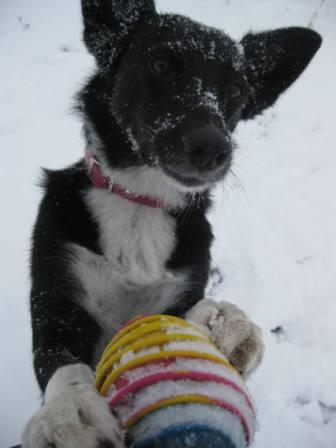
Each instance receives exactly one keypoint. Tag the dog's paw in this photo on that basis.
(239, 339)
(78, 420)
(75, 418)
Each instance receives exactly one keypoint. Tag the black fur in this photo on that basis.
(274, 60)
(208, 83)
(63, 332)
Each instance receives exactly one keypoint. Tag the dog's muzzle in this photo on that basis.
(208, 149)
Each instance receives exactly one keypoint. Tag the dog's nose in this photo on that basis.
(208, 148)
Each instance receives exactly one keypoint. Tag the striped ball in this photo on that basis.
(170, 387)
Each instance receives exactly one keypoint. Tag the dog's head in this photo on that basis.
(171, 91)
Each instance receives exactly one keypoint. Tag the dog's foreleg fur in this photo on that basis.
(74, 415)
(238, 338)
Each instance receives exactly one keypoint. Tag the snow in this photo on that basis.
(275, 221)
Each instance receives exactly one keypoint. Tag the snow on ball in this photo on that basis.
(170, 387)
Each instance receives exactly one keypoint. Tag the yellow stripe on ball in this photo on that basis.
(153, 340)
(161, 356)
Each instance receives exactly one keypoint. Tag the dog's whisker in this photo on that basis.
(238, 182)
(188, 208)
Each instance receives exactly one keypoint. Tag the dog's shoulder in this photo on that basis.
(62, 209)
(193, 234)
(62, 189)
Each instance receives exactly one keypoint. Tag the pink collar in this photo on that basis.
(100, 181)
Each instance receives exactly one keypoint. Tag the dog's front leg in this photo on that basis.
(73, 414)
(65, 337)
(238, 338)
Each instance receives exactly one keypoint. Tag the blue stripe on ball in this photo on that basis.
(188, 436)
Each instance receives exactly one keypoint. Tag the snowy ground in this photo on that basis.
(275, 253)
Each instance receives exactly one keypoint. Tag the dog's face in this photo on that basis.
(177, 89)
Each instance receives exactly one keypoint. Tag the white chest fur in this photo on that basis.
(138, 239)
(130, 277)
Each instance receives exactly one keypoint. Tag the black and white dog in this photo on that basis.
(124, 232)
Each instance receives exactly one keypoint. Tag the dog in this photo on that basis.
(124, 231)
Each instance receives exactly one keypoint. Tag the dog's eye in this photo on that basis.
(160, 65)
(235, 91)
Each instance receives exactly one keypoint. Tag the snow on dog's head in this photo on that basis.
(169, 92)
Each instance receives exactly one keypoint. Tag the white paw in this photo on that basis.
(239, 339)
(75, 417)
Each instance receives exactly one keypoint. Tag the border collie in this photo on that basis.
(123, 232)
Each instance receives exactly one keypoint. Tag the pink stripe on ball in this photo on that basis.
(165, 376)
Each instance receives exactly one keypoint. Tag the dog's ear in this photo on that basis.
(274, 60)
(108, 25)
